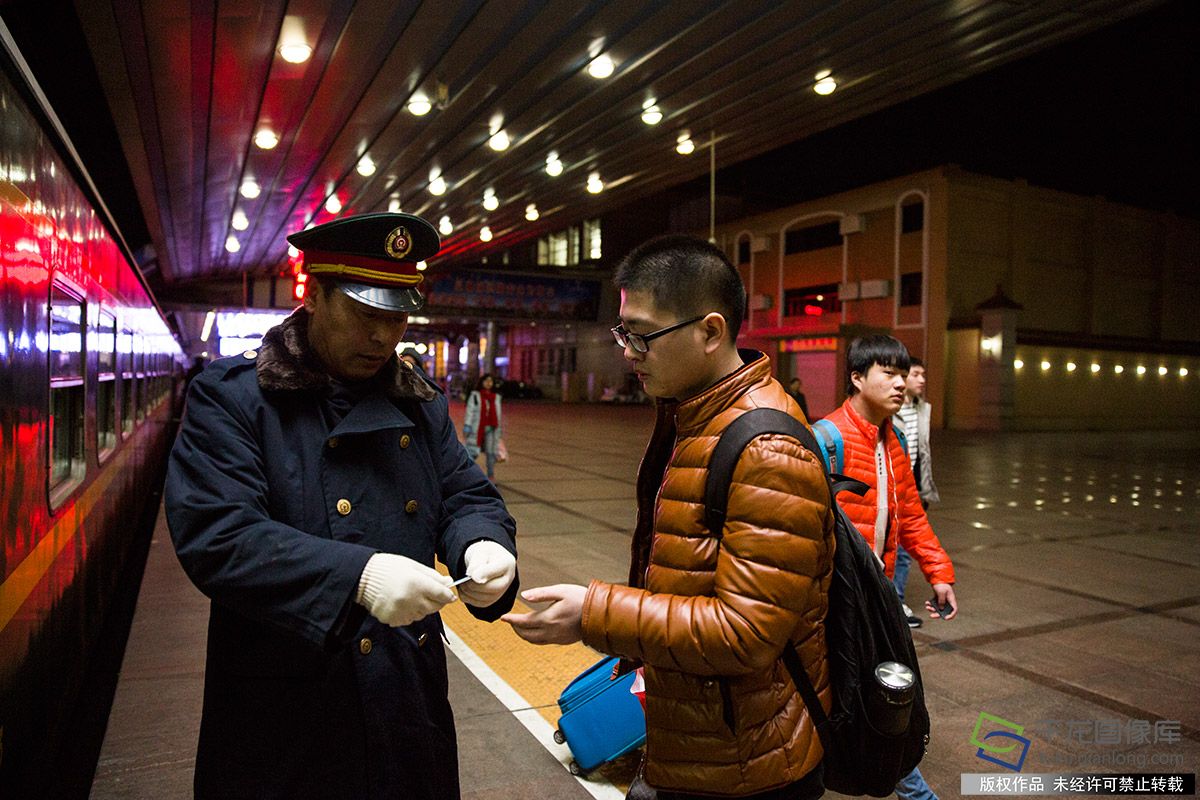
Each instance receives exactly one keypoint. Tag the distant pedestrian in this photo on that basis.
(482, 423)
(913, 418)
(795, 389)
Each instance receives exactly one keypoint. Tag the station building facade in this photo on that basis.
(1034, 309)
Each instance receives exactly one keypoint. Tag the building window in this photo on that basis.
(743, 252)
(815, 237)
(811, 301)
(106, 375)
(66, 433)
(560, 249)
(912, 217)
(910, 288)
(592, 250)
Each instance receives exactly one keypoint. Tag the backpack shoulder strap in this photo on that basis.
(901, 437)
(733, 440)
(832, 448)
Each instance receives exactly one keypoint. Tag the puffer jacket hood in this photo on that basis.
(709, 617)
(907, 522)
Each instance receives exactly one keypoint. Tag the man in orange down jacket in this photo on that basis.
(890, 510)
(707, 617)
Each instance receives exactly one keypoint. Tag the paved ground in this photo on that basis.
(1078, 560)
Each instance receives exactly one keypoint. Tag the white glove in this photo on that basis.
(491, 568)
(398, 591)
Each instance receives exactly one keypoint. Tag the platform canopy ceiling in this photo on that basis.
(191, 84)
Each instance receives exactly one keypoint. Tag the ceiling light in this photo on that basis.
(485, 234)
(419, 105)
(1118, 369)
(824, 83)
(1018, 363)
(421, 266)
(366, 167)
(1162, 370)
(554, 167)
(232, 244)
(652, 115)
(489, 200)
(1071, 366)
(445, 227)
(685, 146)
(266, 139)
(250, 189)
(531, 212)
(333, 205)
(594, 184)
(437, 185)
(1183, 373)
(240, 221)
(295, 52)
(499, 141)
(394, 205)
(601, 67)
(1095, 368)
(1141, 370)
(1045, 366)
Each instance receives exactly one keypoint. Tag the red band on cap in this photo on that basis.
(362, 269)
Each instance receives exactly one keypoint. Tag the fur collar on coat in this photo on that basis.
(287, 363)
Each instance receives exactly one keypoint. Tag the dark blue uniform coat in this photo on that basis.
(280, 487)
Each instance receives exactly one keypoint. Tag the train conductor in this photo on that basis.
(310, 488)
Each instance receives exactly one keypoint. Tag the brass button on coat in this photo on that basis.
(365, 646)
(333, 442)
(405, 441)
(422, 639)
(411, 506)
(343, 506)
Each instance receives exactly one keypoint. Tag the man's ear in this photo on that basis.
(856, 380)
(715, 329)
(309, 299)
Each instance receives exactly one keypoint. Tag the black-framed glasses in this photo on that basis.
(640, 342)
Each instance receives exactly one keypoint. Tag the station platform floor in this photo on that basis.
(1078, 574)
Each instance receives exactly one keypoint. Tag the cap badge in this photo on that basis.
(398, 243)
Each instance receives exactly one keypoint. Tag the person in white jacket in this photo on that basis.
(914, 419)
(481, 426)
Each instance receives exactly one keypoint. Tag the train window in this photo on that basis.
(106, 390)
(65, 437)
(139, 357)
(128, 382)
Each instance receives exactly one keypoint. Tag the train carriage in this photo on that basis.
(89, 385)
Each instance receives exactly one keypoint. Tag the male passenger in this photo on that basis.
(310, 488)
(889, 514)
(914, 419)
(709, 616)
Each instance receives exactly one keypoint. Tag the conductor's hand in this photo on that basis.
(491, 568)
(399, 591)
(560, 623)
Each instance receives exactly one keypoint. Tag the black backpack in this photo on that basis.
(865, 627)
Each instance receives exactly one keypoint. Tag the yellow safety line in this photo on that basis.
(536, 672)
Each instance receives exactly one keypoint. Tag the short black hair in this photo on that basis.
(866, 351)
(913, 361)
(484, 377)
(687, 276)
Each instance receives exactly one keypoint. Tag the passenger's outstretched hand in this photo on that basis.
(559, 623)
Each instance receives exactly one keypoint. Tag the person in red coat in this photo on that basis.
(890, 511)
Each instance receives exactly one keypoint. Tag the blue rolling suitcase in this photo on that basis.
(600, 719)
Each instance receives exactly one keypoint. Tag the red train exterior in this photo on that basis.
(89, 382)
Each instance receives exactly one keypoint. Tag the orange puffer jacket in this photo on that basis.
(906, 517)
(709, 618)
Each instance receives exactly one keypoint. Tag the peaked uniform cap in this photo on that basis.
(371, 257)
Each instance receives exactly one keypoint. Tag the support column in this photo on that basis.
(997, 349)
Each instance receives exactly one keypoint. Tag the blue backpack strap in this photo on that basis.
(903, 439)
(832, 449)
